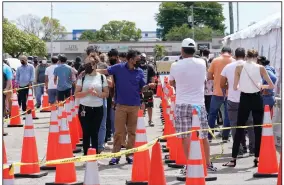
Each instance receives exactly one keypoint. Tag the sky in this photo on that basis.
(92, 15)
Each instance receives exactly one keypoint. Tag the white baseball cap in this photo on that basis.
(143, 55)
(188, 43)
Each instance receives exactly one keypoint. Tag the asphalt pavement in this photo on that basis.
(242, 174)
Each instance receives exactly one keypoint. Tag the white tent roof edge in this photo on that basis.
(260, 28)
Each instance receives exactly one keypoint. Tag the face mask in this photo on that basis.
(44, 61)
(23, 63)
(137, 64)
(89, 69)
(112, 61)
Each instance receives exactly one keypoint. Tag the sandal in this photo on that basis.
(231, 163)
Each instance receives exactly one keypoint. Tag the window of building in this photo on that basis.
(146, 34)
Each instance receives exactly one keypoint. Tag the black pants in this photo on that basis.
(249, 102)
(23, 96)
(90, 123)
(207, 103)
(108, 119)
(62, 95)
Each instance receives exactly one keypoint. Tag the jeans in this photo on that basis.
(268, 100)
(102, 132)
(216, 102)
(39, 92)
(108, 119)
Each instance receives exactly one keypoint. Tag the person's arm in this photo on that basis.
(224, 80)
(211, 71)
(264, 75)
(102, 71)
(55, 76)
(105, 92)
(110, 81)
(36, 73)
(46, 78)
(237, 77)
(111, 70)
(18, 76)
(32, 71)
(171, 76)
(78, 90)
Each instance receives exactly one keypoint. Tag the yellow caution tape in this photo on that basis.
(11, 90)
(126, 152)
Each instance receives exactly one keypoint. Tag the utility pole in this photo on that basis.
(231, 15)
(192, 20)
(238, 20)
(51, 34)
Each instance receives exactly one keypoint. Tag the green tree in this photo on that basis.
(89, 35)
(200, 33)
(52, 26)
(119, 30)
(173, 14)
(17, 42)
(159, 51)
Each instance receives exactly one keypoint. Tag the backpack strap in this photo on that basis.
(102, 79)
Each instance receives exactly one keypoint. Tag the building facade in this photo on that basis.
(78, 48)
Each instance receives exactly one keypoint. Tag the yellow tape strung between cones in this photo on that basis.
(118, 154)
(11, 90)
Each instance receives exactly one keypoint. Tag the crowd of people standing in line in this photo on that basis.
(112, 88)
(242, 81)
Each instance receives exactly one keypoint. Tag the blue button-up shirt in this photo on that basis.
(128, 84)
(25, 74)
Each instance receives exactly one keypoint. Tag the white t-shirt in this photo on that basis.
(229, 73)
(189, 75)
(92, 82)
(50, 73)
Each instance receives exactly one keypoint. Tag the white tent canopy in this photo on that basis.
(265, 37)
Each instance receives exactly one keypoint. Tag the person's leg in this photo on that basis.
(24, 94)
(102, 128)
(150, 106)
(207, 104)
(51, 96)
(131, 124)
(257, 114)
(226, 123)
(97, 116)
(67, 93)
(112, 118)
(108, 120)
(4, 105)
(215, 104)
(119, 124)
(251, 136)
(60, 96)
(84, 120)
(243, 114)
(38, 96)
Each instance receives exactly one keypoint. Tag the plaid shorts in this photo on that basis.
(183, 120)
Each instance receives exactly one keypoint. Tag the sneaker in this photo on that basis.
(129, 159)
(151, 123)
(240, 154)
(114, 161)
(182, 171)
(211, 168)
(251, 153)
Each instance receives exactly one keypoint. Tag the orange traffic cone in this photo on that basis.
(8, 179)
(268, 166)
(80, 132)
(45, 103)
(92, 171)
(71, 127)
(180, 161)
(195, 169)
(65, 173)
(73, 122)
(141, 160)
(51, 153)
(156, 175)
(15, 120)
(29, 152)
(31, 103)
(279, 180)
(159, 89)
(59, 113)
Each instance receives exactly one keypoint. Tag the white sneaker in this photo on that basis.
(182, 171)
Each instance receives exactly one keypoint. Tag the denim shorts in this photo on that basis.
(52, 93)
